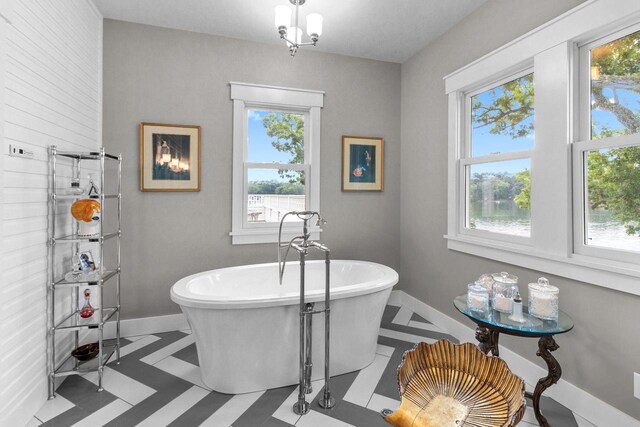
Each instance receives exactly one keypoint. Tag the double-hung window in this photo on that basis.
(276, 160)
(496, 165)
(563, 199)
(607, 153)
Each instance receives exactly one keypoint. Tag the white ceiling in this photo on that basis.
(387, 30)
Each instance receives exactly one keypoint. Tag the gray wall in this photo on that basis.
(601, 353)
(166, 76)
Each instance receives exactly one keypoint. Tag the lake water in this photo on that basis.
(504, 216)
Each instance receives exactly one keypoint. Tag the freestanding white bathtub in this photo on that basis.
(246, 325)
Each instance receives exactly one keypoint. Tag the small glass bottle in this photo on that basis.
(74, 190)
(505, 287)
(543, 300)
(477, 298)
(517, 316)
(87, 311)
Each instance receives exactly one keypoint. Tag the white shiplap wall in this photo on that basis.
(52, 95)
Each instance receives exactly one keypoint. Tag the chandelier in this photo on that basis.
(293, 34)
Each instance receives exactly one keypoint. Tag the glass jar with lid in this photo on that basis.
(486, 281)
(543, 300)
(504, 289)
(477, 298)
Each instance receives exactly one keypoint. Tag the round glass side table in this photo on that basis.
(491, 323)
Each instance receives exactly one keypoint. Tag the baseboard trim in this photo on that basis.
(577, 400)
(147, 325)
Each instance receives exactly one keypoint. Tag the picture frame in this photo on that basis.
(87, 264)
(169, 157)
(362, 163)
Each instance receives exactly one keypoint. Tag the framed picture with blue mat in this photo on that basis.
(362, 163)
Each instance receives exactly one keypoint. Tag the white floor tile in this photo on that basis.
(405, 337)
(379, 402)
(104, 415)
(231, 411)
(317, 419)
(365, 383)
(167, 351)
(142, 341)
(385, 350)
(33, 422)
(136, 338)
(122, 386)
(285, 411)
(182, 369)
(425, 326)
(582, 422)
(175, 408)
(529, 416)
(403, 316)
(54, 407)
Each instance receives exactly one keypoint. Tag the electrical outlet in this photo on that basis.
(17, 151)
(636, 385)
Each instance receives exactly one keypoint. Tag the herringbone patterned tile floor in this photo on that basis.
(158, 384)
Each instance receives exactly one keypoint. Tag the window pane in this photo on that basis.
(615, 87)
(502, 118)
(275, 137)
(274, 192)
(613, 210)
(499, 197)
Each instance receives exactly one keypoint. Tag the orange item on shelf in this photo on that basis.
(84, 210)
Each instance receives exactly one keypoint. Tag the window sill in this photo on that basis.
(619, 276)
(268, 235)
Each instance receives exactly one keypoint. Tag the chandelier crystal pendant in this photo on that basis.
(293, 34)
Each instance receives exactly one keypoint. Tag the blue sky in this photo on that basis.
(484, 143)
(261, 150)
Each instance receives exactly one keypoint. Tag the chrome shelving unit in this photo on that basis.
(103, 278)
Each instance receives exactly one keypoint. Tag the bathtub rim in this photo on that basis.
(181, 296)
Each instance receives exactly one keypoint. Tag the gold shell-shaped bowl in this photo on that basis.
(446, 384)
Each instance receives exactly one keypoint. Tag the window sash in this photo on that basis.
(279, 166)
(585, 144)
(466, 159)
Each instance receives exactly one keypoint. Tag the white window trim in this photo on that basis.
(552, 47)
(308, 102)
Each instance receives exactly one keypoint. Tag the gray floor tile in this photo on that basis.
(188, 354)
(84, 395)
(419, 318)
(422, 332)
(388, 315)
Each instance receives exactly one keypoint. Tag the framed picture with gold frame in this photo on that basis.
(362, 163)
(169, 157)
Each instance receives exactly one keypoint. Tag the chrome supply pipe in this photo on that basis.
(308, 365)
(301, 407)
(302, 245)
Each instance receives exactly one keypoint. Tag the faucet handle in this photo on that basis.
(321, 221)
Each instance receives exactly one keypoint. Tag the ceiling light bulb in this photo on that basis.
(283, 16)
(314, 24)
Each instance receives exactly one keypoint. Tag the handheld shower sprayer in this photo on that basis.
(305, 216)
